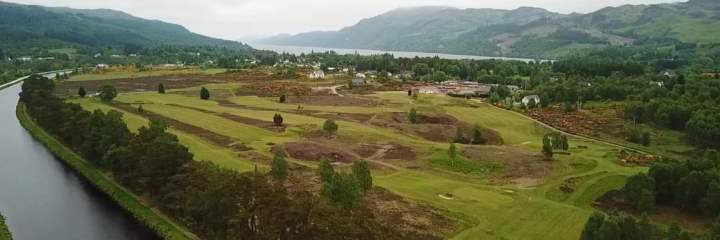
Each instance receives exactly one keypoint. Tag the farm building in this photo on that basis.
(360, 75)
(319, 74)
(526, 100)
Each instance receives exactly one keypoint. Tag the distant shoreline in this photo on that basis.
(397, 54)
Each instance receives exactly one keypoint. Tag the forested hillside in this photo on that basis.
(23, 27)
(524, 32)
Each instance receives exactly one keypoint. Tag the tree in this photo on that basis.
(278, 120)
(703, 128)
(547, 148)
(82, 92)
(646, 202)
(283, 98)
(714, 233)
(410, 92)
(326, 171)
(107, 93)
(344, 190)
(140, 109)
(639, 190)
(452, 154)
(330, 127)
(161, 88)
(204, 94)
(532, 104)
(421, 69)
(477, 136)
(361, 171)
(412, 116)
(564, 143)
(279, 167)
(592, 226)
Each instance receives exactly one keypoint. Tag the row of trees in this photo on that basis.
(693, 185)
(215, 203)
(624, 227)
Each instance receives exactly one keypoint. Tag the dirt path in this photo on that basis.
(592, 139)
(375, 158)
(332, 89)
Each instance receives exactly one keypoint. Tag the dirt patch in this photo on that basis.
(315, 152)
(420, 221)
(273, 89)
(632, 159)
(140, 84)
(388, 151)
(520, 167)
(351, 117)
(435, 127)
(576, 122)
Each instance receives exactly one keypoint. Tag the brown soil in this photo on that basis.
(391, 151)
(423, 221)
(141, 84)
(332, 101)
(351, 117)
(632, 159)
(576, 122)
(218, 139)
(315, 152)
(435, 127)
(520, 167)
(273, 89)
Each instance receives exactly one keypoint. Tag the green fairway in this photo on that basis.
(488, 211)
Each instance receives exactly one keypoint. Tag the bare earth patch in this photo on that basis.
(520, 167)
(315, 152)
(434, 127)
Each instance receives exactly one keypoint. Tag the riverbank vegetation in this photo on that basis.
(4, 230)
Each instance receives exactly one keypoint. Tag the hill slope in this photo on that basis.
(523, 32)
(27, 26)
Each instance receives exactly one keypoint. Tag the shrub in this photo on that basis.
(330, 126)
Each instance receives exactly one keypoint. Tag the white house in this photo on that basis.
(319, 74)
(102, 66)
(526, 99)
(360, 75)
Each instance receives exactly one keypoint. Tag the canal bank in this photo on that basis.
(45, 197)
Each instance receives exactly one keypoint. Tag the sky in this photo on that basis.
(252, 19)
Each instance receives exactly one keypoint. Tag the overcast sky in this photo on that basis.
(242, 19)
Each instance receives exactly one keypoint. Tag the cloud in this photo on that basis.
(233, 19)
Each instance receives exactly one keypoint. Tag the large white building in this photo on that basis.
(319, 74)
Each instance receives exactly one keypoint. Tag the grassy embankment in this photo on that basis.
(4, 231)
(152, 218)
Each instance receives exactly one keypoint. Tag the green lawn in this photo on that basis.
(487, 211)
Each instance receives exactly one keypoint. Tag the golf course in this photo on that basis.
(500, 190)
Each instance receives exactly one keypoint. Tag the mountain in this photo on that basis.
(26, 26)
(523, 32)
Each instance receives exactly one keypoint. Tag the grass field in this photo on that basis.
(139, 74)
(486, 210)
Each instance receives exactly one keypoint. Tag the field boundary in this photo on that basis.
(150, 217)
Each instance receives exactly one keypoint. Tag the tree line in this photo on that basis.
(215, 203)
